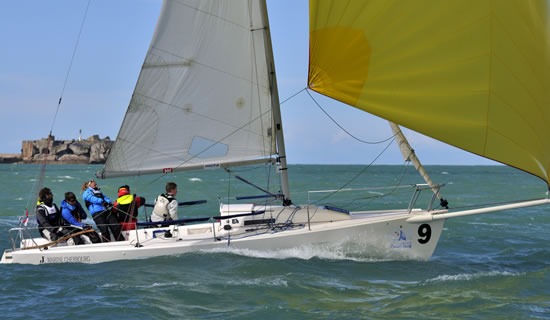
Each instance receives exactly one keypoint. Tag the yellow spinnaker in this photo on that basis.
(472, 73)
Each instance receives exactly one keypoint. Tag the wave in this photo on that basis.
(168, 284)
(9, 221)
(65, 177)
(487, 223)
(302, 253)
(474, 276)
(376, 193)
(259, 282)
(275, 281)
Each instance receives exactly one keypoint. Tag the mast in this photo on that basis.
(276, 108)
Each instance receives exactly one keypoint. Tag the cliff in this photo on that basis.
(91, 150)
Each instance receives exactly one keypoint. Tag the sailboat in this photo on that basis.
(472, 74)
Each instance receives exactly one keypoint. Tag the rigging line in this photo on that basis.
(292, 96)
(360, 173)
(392, 191)
(228, 186)
(268, 184)
(70, 66)
(343, 129)
(231, 173)
(39, 183)
(391, 139)
(254, 73)
(249, 168)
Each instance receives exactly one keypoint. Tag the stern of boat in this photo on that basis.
(6, 257)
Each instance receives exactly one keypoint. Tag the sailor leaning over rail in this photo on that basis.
(99, 207)
(166, 205)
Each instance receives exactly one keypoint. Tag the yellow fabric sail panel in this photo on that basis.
(472, 73)
(334, 74)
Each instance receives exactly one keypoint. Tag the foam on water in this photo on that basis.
(302, 252)
(473, 276)
(65, 177)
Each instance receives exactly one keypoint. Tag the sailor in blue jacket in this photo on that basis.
(99, 207)
(72, 215)
(94, 199)
(72, 211)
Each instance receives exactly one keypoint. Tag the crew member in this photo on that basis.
(166, 205)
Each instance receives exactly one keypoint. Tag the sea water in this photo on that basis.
(492, 266)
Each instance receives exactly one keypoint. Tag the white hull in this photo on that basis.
(383, 235)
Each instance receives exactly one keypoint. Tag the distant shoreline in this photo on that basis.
(7, 158)
(92, 150)
(10, 157)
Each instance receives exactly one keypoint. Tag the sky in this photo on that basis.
(39, 38)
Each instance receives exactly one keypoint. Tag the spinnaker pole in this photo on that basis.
(409, 155)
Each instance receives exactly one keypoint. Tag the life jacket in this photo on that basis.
(161, 205)
(52, 213)
(125, 204)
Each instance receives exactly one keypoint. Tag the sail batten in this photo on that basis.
(203, 95)
(473, 74)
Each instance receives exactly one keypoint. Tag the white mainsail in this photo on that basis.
(203, 97)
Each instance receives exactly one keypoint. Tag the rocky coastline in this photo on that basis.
(93, 150)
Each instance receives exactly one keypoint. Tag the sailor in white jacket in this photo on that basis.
(166, 205)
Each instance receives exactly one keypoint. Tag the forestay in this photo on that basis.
(472, 73)
(203, 95)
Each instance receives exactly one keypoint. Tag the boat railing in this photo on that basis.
(378, 192)
(17, 235)
(262, 199)
(418, 188)
(198, 219)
